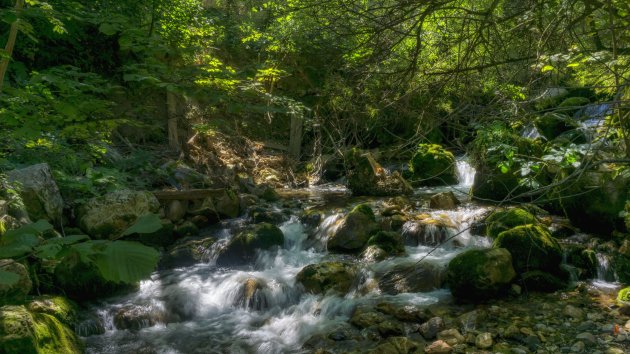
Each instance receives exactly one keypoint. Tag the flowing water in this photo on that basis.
(203, 308)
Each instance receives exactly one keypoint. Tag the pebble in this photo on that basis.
(573, 312)
(438, 347)
(484, 340)
(519, 351)
(451, 336)
(431, 328)
(614, 351)
(627, 326)
(587, 338)
(578, 347)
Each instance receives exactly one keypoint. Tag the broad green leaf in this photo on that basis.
(47, 250)
(35, 228)
(145, 224)
(126, 262)
(8, 278)
(68, 240)
(19, 239)
(108, 29)
(15, 251)
(546, 68)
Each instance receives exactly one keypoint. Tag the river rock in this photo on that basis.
(552, 125)
(16, 292)
(428, 231)
(438, 347)
(108, 216)
(451, 336)
(503, 220)
(321, 277)
(396, 345)
(134, 317)
(176, 210)
(573, 312)
(388, 241)
(242, 248)
(403, 312)
(431, 328)
(444, 200)
(480, 274)
(39, 192)
(432, 165)
(250, 295)
(390, 328)
(531, 247)
(354, 231)
(484, 340)
(367, 177)
(412, 278)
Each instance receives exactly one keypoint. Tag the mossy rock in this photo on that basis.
(627, 215)
(532, 248)
(432, 165)
(367, 177)
(480, 274)
(571, 105)
(624, 295)
(390, 242)
(354, 231)
(503, 220)
(552, 125)
(621, 266)
(584, 259)
(39, 331)
(537, 280)
(327, 276)
(17, 292)
(242, 248)
(187, 252)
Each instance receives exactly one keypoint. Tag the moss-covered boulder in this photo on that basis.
(411, 278)
(354, 230)
(388, 241)
(106, 217)
(327, 276)
(503, 220)
(480, 274)
(444, 200)
(532, 248)
(584, 259)
(41, 328)
(624, 295)
(572, 104)
(39, 192)
(242, 248)
(552, 125)
(596, 201)
(432, 165)
(16, 290)
(368, 177)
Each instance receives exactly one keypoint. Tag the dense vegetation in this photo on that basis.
(131, 95)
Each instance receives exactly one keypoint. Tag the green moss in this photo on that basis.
(61, 307)
(532, 248)
(242, 248)
(627, 215)
(364, 209)
(552, 125)
(624, 295)
(17, 331)
(572, 104)
(504, 220)
(390, 242)
(53, 336)
(480, 274)
(432, 165)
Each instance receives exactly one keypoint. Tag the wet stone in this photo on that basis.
(391, 328)
(451, 336)
(484, 340)
(430, 329)
(438, 347)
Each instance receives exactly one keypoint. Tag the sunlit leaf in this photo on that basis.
(145, 224)
(126, 262)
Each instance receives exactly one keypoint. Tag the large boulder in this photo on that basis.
(15, 291)
(428, 231)
(388, 241)
(503, 220)
(242, 248)
(327, 276)
(444, 200)
(368, 177)
(411, 278)
(480, 274)
(432, 165)
(352, 234)
(595, 202)
(187, 252)
(532, 248)
(39, 192)
(106, 217)
(42, 327)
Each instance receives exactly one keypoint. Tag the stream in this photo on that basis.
(202, 308)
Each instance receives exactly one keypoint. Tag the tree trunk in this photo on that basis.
(295, 140)
(173, 134)
(4, 63)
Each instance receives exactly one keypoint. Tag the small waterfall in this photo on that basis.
(530, 132)
(604, 272)
(465, 172)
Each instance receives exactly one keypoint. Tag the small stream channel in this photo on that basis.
(202, 308)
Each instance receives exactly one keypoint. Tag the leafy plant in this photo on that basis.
(117, 261)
